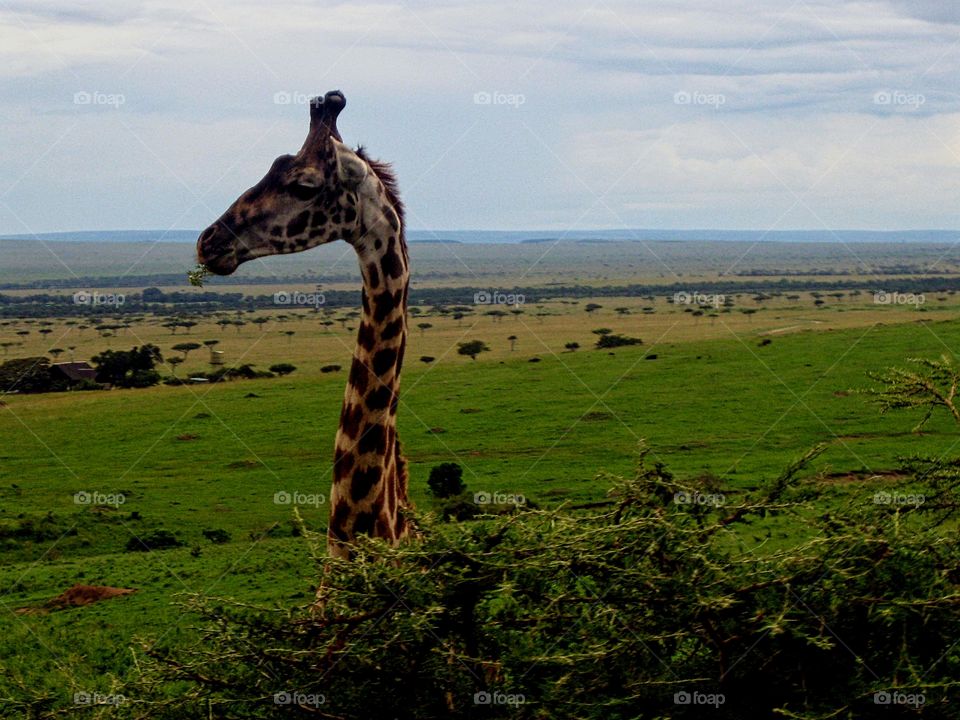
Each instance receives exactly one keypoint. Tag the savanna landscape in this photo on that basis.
(678, 407)
(725, 389)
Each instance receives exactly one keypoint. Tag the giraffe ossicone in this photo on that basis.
(328, 192)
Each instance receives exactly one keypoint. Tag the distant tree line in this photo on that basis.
(161, 302)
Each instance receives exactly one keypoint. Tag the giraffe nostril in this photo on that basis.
(207, 234)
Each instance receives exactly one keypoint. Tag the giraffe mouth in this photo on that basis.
(222, 265)
(212, 256)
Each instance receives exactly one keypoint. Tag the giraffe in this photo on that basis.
(323, 193)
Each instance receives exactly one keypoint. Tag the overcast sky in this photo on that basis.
(497, 115)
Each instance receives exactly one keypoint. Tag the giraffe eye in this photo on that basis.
(303, 189)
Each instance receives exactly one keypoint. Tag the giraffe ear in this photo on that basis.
(351, 168)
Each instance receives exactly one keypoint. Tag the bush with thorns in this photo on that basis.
(665, 602)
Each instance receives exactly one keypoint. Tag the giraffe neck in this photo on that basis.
(369, 475)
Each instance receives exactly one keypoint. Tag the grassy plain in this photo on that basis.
(729, 399)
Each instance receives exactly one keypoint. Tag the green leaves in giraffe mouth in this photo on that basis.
(197, 275)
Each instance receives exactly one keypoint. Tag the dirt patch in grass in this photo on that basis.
(243, 465)
(597, 416)
(78, 596)
(842, 478)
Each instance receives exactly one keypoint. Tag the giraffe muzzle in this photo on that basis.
(216, 251)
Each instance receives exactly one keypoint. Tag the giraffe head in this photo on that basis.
(304, 200)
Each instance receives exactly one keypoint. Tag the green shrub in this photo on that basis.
(240, 372)
(132, 368)
(628, 610)
(30, 375)
(459, 507)
(217, 536)
(446, 479)
(156, 540)
(614, 340)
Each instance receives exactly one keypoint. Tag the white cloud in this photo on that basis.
(798, 82)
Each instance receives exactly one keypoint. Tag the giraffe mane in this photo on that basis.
(384, 171)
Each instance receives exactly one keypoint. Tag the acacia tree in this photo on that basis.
(932, 385)
(282, 368)
(472, 348)
(128, 368)
(186, 348)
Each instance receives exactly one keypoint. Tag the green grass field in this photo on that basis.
(195, 458)
(727, 400)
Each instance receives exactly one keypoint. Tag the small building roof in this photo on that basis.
(76, 370)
